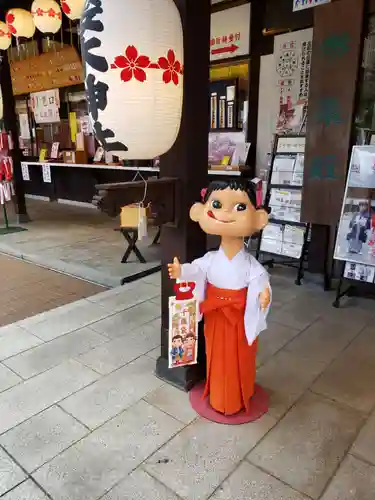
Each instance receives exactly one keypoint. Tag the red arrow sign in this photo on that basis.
(223, 50)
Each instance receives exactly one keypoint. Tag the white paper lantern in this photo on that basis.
(73, 8)
(5, 36)
(47, 15)
(133, 55)
(20, 23)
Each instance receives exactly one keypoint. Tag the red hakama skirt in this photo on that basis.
(231, 361)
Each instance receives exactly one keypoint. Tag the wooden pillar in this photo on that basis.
(10, 124)
(188, 160)
(260, 45)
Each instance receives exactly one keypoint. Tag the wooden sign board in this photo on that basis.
(47, 71)
(333, 84)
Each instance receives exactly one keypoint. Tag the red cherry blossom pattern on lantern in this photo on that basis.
(9, 19)
(51, 13)
(5, 33)
(171, 67)
(65, 7)
(134, 65)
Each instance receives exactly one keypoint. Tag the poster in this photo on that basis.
(292, 53)
(45, 106)
(359, 272)
(183, 327)
(356, 234)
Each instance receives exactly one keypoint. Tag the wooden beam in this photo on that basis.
(161, 194)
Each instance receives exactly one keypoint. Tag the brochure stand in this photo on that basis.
(285, 237)
(355, 240)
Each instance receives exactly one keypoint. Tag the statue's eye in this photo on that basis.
(216, 204)
(240, 207)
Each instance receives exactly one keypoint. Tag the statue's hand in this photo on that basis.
(174, 269)
(265, 299)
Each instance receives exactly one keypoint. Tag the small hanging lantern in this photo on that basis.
(73, 8)
(20, 23)
(5, 36)
(47, 15)
(133, 57)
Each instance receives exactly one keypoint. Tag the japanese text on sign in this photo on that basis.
(307, 4)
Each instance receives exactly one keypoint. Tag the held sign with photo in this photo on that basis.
(356, 235)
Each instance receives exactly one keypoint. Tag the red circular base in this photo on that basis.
(259, 405)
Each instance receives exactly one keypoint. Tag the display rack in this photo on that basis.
(357, 277)
(286, 238)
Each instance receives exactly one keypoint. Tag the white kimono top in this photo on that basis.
(243, 271)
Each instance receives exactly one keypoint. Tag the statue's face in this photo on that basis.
(229, 212)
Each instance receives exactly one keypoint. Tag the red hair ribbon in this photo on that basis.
(203, 193)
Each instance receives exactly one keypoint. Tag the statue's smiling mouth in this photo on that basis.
(212, 216)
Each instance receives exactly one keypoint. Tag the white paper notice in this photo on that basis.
(46, 171)
(55, 150)
(25, 171)
(24, 126)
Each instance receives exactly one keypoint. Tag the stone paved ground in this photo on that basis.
(83, 417)
(26, 289)
(78, 241)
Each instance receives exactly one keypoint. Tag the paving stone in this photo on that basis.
(10, 473)
(249, 483)
(25, 491)
(294, 316)
(7, 378)
(117, 353)
(42, 437)
(14, 340)
(306, 447)
(349, 379)
(198, 459)
(35, 395)
(90, 468)
(364, 445)
(140, 486)
(69, 321)
(355, 480)
(110, 395)
(122, 323)
(323, 341)
(286, 377)
(174, 402)
(154, 353)
(273, 339)
(129, 298)
(50, 354)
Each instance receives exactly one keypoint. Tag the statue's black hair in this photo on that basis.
(237, 185)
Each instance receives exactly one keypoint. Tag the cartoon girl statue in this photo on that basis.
(359, 225)
(233, 291)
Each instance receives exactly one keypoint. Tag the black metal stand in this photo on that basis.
(283, 260)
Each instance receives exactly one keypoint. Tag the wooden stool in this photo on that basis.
(156, 240)
(131, 236)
